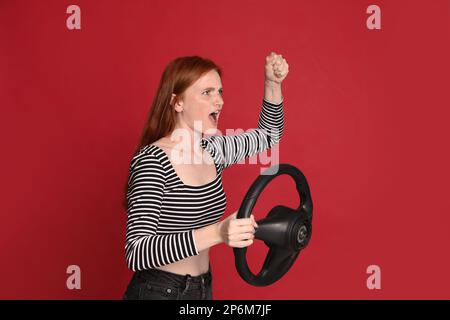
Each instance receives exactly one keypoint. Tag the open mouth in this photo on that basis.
(214, 116)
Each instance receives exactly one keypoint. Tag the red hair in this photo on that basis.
(178, 75)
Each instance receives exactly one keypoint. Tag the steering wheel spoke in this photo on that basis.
(285, 231)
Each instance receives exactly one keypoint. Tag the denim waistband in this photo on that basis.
(174, 279)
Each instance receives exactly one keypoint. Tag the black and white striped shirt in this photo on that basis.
(163, 212)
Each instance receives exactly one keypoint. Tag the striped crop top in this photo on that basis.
(163, 212)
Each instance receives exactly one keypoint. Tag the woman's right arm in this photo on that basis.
(144, 249)
(234, 232)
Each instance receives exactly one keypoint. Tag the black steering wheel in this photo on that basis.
(285, 231)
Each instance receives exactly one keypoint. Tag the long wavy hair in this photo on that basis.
(178, 75)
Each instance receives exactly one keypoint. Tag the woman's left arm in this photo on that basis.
(231, 149)
(276, 70)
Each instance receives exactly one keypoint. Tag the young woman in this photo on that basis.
(174, 194)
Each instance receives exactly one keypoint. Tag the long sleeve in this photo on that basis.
(144, 249)
(231, 149)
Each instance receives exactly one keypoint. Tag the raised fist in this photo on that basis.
(276, 68)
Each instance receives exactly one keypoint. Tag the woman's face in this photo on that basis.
(201, 105)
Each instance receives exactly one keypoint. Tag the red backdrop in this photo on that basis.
(366, 121)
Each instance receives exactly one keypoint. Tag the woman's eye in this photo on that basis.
(208, 91)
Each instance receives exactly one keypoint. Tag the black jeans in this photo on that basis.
(155, 284)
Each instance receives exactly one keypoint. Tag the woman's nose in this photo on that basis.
(219, 100)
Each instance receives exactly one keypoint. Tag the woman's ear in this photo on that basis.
(178, 106)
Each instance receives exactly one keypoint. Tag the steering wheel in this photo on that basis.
(285, 231)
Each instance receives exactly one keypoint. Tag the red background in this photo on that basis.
(366, 122)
